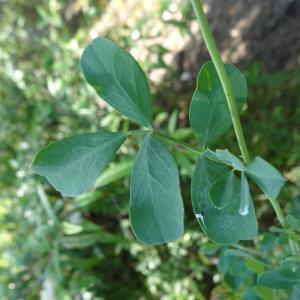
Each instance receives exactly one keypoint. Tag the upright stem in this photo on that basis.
(216, 58)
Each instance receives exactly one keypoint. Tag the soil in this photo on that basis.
(265, 31)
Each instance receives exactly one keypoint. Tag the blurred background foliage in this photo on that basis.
(54, 248)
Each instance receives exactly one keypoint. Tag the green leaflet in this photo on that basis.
(209, 113)
(223, 189)
(118, 79)
(227, 158)
(232, 264)
(156, 208)
(278, 279)
(73, 164)
(223, 226)
(265, 176)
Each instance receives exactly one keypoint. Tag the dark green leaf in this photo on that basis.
(224, 226)
(234, 281)
(228, 257)
(73, 164)
(156, 208)
(209, 112)
(250, 294)
(282, 239)
(268, 242)
(222, 191)
(118, 79)
(265, 176)
(278, 279)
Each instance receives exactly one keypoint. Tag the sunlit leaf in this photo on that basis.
(118, 79)
(73, 164)
(209, 113)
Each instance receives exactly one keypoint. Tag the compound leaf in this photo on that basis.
(209, 113)
(73, 164)
(265, 176)
(118, 79)
(223, 226)
(156, 208)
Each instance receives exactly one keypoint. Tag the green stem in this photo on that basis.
(137, 132)
(177, 142)
(293, 244)
(165, 137)
(216, 58)
(250, 251)
(279, 212)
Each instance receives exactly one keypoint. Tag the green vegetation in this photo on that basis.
(83, 248)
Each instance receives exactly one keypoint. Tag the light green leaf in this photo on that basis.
(255, 266)
(118, 79)
(73, 164)
(265, 176)
(88, 198)
(209, 113)
(222, 191)
(85, 240)
(264, 293)
(278, 279)
(156, 208)
(70, 228)
(115, 171)
(223, 226)
(229, 159)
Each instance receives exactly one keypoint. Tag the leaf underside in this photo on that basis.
(266, 177)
